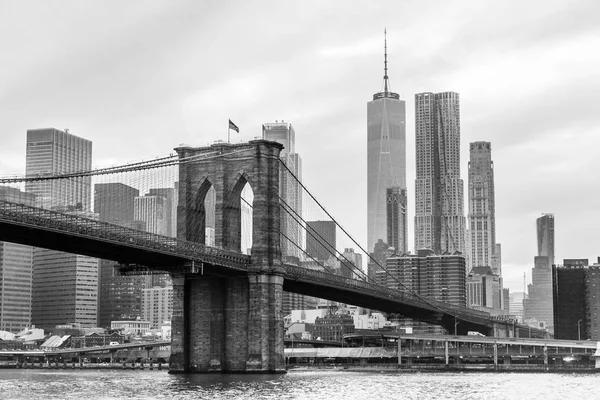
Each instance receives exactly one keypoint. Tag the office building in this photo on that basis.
(290, 190)
(16, 266)
(65, 286)
(439, 198)
(576, 292)
(482, 208)
(397, 227)
(569, 291)
(386, 156)
(154, 212)
(320, 239)
(538, 306)
(545, 237)
(438, 277)
(52, 151)
(170, 196)
(157, 305)
(484, 289)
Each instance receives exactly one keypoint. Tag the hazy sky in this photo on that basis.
(139, 77)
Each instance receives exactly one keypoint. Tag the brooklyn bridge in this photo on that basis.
(227, 302)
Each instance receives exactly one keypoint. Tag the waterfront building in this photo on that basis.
(439, 196)
(482, 209)
(538, 305)
(157, 305)
(333, 327)
(65, 286)
(320, 239)
(290, 189)
(16, 267)
(135, 328)
(386, 156)
(397, 227)
(576, 295)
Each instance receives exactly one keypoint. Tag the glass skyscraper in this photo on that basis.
(386, 157)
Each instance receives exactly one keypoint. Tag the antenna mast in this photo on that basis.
(385, 75)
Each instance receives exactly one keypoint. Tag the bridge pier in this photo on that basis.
(227, 324)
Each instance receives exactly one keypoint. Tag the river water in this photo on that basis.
(16, 384)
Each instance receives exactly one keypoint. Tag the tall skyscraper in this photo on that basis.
(52, 151)
(289, 189)
(439, 213)
(538, 307)
(386, 155)
(65, 286)
(545, 237)
(16, 263)
(482, 208)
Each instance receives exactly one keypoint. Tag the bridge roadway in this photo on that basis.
(73, 233)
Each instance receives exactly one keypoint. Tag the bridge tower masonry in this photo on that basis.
(229, 321)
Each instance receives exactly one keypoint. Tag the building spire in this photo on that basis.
(385, 75)
(386, 93)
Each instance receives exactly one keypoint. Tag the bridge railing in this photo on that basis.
(82, 226)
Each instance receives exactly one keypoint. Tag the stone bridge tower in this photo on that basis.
(227, 320)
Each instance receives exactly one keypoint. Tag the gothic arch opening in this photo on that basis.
(201, 225)
(237, 217)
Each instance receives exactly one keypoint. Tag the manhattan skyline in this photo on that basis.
(527, 80)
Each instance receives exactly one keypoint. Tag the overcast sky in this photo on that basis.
(140, 77)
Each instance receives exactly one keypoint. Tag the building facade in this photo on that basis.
(333, 327)
(538, 306)
(16, 268)
(484, 289)
(439, 192)
(545, 237)
(290, 189)
(438, 277)
(157, 305)
(386, 156)
(576, 293)
(320, 239)
(65, 286)
(397, 227)
(52, 151)
(482, 208)
(119, 296)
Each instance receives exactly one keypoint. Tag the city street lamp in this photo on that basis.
(455, 325)
(579, 330)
